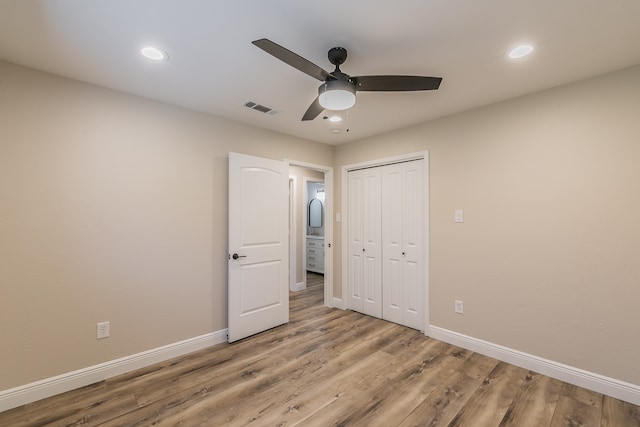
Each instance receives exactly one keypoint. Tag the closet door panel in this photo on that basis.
(371, 284)
(371, 216)
(412, 207)
(412, 315)
(392, 298)
(413, 246)
(355, 247)
(392, 236)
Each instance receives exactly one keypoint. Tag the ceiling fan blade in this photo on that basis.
(396, 83)
(293, 59)
(313, 111)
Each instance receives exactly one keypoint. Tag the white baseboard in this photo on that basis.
(28, 393)
(300, 286)
(339, 303)
(598, 383)
(37, 390)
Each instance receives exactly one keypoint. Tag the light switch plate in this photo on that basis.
(459, 306)
(458, 215)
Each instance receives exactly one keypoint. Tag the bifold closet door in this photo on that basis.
(402, 243)
(364, 234)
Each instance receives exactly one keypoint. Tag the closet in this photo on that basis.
(385, 238)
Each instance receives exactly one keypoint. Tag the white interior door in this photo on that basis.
(258, 245)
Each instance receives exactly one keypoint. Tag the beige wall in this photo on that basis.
(114, 208)
(547, 259)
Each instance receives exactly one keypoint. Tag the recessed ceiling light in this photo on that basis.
(521, 51)
(335, 119)
(153, 53)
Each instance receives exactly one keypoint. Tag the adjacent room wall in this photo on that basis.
(546, 260)
(113, 207)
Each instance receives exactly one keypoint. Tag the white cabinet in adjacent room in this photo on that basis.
(315, 254)
(385, 237)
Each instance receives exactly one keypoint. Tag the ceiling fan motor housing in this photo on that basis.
(337, 55)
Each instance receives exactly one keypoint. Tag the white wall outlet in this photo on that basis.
(459, 306)
(102, 330)
(458, 215)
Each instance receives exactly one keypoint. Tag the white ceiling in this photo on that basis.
(213, 66)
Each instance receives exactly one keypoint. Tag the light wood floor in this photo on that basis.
(329, 367)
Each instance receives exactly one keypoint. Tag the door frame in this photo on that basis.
(293, 212)
(328, 228)
(343, 302)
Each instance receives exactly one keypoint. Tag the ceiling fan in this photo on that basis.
(338, 90)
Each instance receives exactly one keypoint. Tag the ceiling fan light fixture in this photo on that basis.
(337, 95)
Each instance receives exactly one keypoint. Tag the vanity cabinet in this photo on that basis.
(315, 254)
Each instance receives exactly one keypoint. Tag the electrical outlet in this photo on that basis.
(102, 330)
(458, 215)
(458, 306)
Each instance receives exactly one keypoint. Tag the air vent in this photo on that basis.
(261, 108)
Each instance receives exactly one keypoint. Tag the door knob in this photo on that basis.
(236, 256)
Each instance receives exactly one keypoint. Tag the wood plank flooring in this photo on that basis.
(329, 367)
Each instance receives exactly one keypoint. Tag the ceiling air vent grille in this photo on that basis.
(261, 108)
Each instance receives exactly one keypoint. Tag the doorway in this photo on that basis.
(300, 175)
